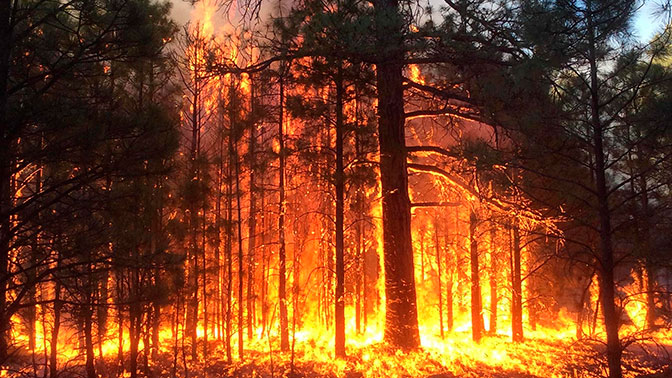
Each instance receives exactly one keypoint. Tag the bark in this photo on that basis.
(360, 277)
(229, 248)
(449, 298)
(31, 316)
(339, 180)
(156, 324)
(148, 347)
(365, 289)
(5, 237)
(31, 310)
(438, 275)
(134, 325)
(264, 266)
(239, 222)
(120, 320)
(649, 266)
(101, 324)
(401, 316)
(252, 220)
(422, 254)
(493, 281)
(297, 251)
(204, 292)
(517, 289)
(192, 304)
(193, 274)
(5, 174)
(606, 264)
(282, 289)
(218, 236)
(53, 356)
(476, 301)
(88, 334)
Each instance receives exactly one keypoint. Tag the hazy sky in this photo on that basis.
(646, 23)
(181, 11)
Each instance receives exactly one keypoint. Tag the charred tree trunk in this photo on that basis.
(134, 324)
(156, 324)
(101, 324)
(282, 289)
(53, 356)
(31, 316)
(5, 238)
(437, 248)
(401, 316)
(218, 234)
(649, 267)
(449, 296)
(264, 264)
(192, 304)
(241, 273)
(204, 291)
(87, 314)
(148, 347)
(297, 251)
(119, 279)
(5, 174)
(476, 301)
(229, 246)
(606, 263)
(339, 180)
(493, 281)
(516, 286)
(252, 220)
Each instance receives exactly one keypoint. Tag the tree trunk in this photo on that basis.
(264, 265)
(5, 237)
(401, 316)
(88, 339)
(517, 287)
(476, 302)
(192, 304)
(6, 157)
(134, 337)
(252, 221)
(218, 235)
(282, 293)
(53, 357)
(229, 247)
(493, 281)
(31, 316)
(204, 291)
(339, 180)
(241, 273)
(649, 267)
(438, 274)
(606, 265)
(120, 320)
(449, 296)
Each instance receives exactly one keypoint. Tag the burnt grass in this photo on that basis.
(582, 359)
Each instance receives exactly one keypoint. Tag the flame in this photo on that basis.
(416, 76)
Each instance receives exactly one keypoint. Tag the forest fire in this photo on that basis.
(337, 189)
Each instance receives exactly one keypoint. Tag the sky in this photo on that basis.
(646, 24)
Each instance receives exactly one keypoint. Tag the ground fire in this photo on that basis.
(335, 189)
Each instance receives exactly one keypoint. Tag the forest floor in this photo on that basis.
(493, 357)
